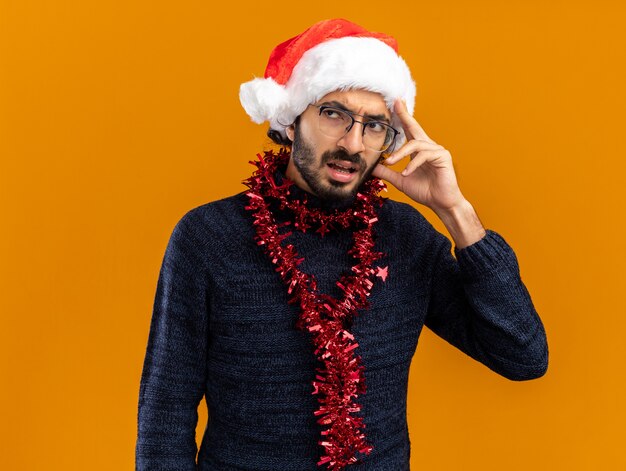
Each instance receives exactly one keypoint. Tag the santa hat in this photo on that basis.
(331, 55)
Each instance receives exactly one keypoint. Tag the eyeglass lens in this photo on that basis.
(336, 123)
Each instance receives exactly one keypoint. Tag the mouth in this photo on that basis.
(342, 170)
(343, 166)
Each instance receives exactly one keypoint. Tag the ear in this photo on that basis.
(290, 131)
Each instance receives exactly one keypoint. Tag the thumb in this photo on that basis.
(384, 172)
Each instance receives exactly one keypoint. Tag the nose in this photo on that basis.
(352, 142)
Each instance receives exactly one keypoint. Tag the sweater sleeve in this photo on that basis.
(173, 378)
(480, 305)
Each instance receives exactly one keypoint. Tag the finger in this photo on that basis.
(409, 123)
(411, 147)
(393, 177)
(421, 158)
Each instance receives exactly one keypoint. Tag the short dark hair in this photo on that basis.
(277, 137)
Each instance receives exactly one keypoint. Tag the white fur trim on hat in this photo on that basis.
(337, 64)
(263, 99)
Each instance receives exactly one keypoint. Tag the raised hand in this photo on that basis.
(429, 179)
(429, 176)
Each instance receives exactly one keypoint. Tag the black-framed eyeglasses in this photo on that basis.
(336, 123)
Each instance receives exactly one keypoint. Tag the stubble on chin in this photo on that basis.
(334, 194)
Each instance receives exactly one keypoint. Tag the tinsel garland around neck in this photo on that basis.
(340, 380)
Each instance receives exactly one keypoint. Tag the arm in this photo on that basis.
(480, 305)
(478, 302)
(173, 379)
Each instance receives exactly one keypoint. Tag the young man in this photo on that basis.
(295, 307)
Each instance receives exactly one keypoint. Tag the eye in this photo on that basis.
(376, 127)
(331, 113)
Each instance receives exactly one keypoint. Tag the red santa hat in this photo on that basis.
(331, 55)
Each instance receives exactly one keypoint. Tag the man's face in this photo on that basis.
(334, 169)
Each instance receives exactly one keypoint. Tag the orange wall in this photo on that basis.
(117, 117)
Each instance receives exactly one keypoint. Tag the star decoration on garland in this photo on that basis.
(382, 273)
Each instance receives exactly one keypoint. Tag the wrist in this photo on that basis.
(462, 223)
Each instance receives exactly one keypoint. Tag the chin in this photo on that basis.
(341, 190)
(339, 194)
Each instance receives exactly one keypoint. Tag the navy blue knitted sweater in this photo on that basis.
(222, 328)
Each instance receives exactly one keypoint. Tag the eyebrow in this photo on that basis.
(341, 106)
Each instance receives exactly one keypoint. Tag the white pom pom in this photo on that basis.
(262, 99)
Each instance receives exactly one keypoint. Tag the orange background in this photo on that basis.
(116, 117)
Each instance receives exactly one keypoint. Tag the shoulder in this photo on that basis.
(213, 216)
(210, 225)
